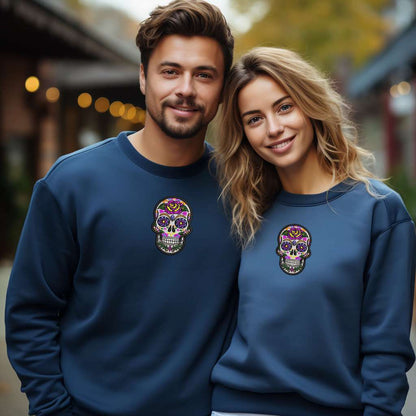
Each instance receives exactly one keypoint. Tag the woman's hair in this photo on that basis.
(186, 18)
(250, 183)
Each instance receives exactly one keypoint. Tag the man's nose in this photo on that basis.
(186, 87)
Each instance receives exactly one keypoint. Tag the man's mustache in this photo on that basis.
(189, 103)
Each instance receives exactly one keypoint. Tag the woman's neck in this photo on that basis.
(308, 177)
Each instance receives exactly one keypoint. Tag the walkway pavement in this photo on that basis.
(14, 403)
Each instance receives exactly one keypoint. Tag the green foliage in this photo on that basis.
(323, 31)
(15, 193)
(406, 187)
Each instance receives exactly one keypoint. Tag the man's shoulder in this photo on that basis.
(82, 158)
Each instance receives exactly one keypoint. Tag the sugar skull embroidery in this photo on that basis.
(294, 247)
(171, 224)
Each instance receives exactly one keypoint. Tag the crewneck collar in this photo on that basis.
(161, 170)
(335, 192)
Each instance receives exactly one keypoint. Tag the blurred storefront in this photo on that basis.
(62, 86)
(384, 95)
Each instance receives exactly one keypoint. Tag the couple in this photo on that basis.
(123, 295)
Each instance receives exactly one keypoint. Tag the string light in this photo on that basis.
(402, 88)
(32, 84)
(131, 113)
(117, 108)
(128, 112)
(140, 116)
(84, 100)
(52, 94)
(102, 104)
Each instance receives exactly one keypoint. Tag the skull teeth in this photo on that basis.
(292, 262)
(170, 240)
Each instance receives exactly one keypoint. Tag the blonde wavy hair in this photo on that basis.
(249, 183)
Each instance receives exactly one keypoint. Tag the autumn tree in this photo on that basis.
(76, 5)
(326, 32)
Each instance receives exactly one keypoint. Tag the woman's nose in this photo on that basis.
(274, 127)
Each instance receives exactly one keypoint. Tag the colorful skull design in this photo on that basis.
(294, 248)
(171, 225)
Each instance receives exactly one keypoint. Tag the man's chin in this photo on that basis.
(179, 129)
(178, 133)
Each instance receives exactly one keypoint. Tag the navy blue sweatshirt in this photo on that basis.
(325, 309)
(122, 289)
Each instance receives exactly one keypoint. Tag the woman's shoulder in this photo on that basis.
(381, 189)
(389, 205)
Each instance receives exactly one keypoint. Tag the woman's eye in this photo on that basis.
(253, 120)
(286, 107)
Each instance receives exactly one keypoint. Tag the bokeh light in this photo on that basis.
(129, 112)
(117, 108)
(393, 91)
(403, 88)
(52, 94)
(139, 117)
(32, 84)
(84, 100)
(102, 104)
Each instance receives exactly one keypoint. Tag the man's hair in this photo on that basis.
(185, 18)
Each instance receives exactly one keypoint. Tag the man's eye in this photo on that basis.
(204, 75)
(169, 72)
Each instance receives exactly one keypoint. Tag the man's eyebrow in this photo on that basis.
(207, 68)
(168, 63)
(257, 111)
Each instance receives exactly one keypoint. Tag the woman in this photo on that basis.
(326, 286)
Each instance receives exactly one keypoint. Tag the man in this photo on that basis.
(122, 290)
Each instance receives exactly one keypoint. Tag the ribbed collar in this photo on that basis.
(335, 192)
(161, 170)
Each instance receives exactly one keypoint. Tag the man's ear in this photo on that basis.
(142, 80)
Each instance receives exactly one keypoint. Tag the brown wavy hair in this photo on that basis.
(250, 183)
(186, 18)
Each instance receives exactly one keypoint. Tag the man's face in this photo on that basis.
(183, 85)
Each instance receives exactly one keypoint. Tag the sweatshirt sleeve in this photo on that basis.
(38, 289)
(386, 319)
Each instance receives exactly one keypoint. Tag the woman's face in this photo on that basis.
(275, 126)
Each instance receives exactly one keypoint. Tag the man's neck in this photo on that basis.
(167, 151)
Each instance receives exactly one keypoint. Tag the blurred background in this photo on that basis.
(69, 78)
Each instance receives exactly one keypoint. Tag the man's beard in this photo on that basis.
(179, 130)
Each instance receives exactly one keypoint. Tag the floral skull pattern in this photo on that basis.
(172, 217)
(293, 248)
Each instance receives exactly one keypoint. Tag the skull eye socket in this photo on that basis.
(301, 247)
(181, 222)
(163, 221)
(286, 246)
